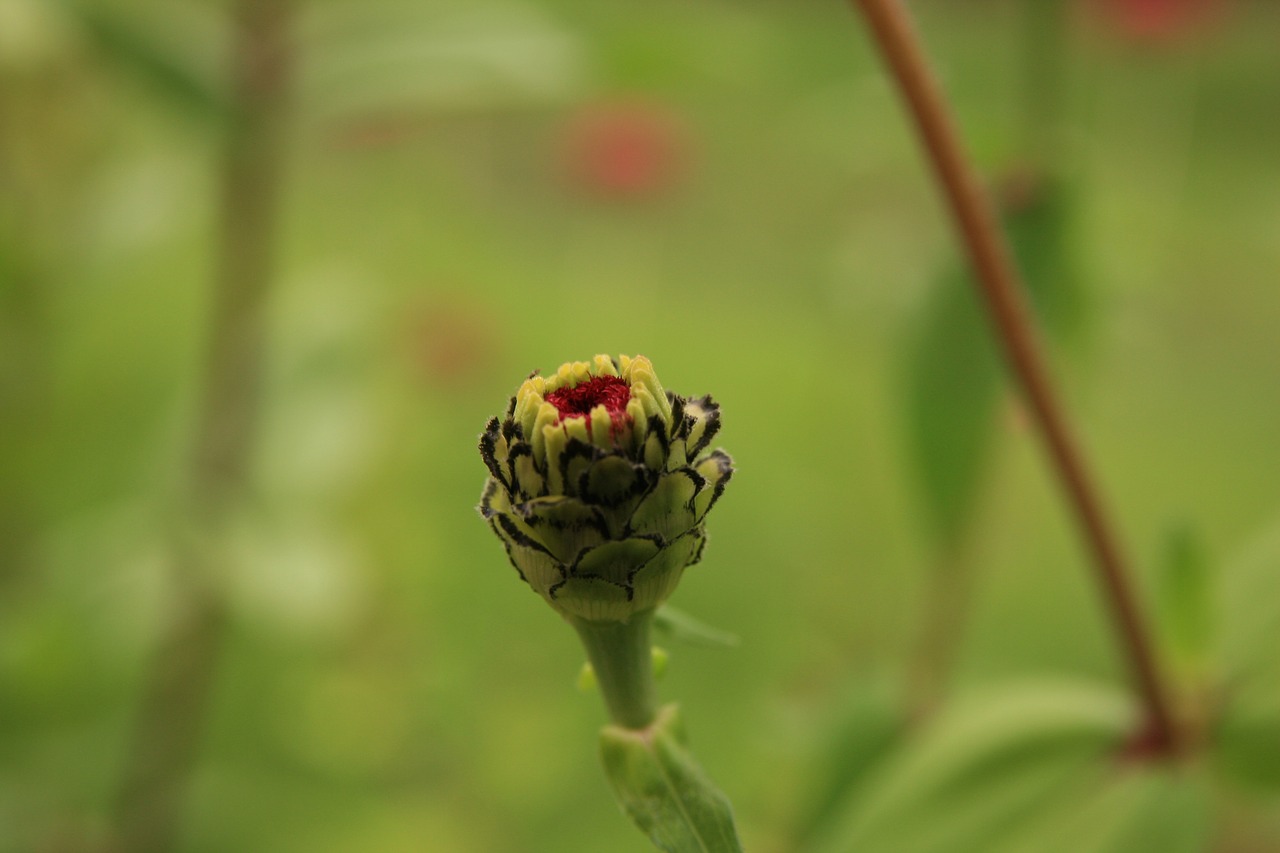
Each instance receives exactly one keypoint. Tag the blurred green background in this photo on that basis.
(473, 189)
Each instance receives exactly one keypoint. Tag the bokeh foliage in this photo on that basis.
(387, 683)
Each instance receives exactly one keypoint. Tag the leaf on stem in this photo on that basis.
(680, 626)
(664, 791)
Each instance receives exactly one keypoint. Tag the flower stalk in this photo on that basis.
(599, 486)
(1002, 293)
(622, 657)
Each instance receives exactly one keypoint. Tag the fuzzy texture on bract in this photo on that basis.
(601, 512)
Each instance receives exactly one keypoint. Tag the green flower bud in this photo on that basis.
(599, 485)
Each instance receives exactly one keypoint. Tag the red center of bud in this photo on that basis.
(577, 402)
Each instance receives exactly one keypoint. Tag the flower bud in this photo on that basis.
(599, 485)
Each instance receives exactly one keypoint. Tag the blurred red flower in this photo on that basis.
(625, 149)
(1161, 20)
(451, 340)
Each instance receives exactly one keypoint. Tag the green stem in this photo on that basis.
(622, 656)
(171, 714)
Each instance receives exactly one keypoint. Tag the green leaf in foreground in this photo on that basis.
(664, 791)
(984, 769)
(1119, 808)
(868, 730)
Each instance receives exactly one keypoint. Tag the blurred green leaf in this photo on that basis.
(1247, 738)
(1186, 599)
(1251, 594)
(985, 768)
(1038, 216)
(954, 373)
(1121, 809)
(165, 69)
(680, 626)
(400, 59)
(1155, 812)
(664, 791)
(868, 730)
(952, 389)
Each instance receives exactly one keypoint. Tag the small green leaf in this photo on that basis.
(587, 682)
(660, 661)
(1185, 600)
(680, 626)
(664, 791)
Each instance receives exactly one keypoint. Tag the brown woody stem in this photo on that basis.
(1002, 292)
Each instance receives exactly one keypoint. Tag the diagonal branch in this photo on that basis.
(1002, 293)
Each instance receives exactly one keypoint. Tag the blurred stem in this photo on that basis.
(170, 717)
(1002, 292)
(621, 653)
(24, 382)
